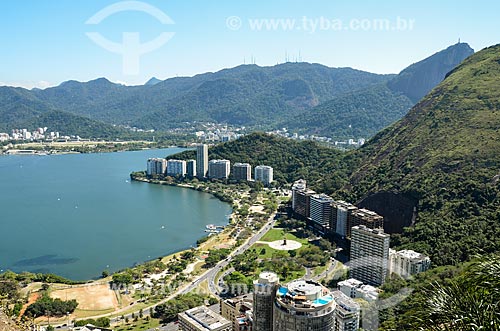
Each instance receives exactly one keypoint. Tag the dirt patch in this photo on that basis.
(32, 298)
(89, 297)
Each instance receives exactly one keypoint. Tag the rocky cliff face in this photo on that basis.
(420, 78)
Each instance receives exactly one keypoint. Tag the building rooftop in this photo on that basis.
(375, 232)
(411, 255)
(344, 303)
(304, 293)
(205, 318)
(366, 214)
(267, 277)
(322, 197)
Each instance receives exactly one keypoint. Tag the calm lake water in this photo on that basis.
(77, 215)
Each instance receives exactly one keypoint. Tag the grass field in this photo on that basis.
(279, 234)
(138, 326)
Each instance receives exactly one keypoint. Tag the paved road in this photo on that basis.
(207, 275)
(212, 286)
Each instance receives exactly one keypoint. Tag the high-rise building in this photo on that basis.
(201, 160)
(191, 168)
(202, 319)
(406, 263)
(298, 186)
(320, 212)
(264, 174)
(176, 168)
(264, 293)
(219, 169)
(341, 217)
(301, 199)
(365, 217)
(369, 255)
(156, 166)
(242, 171)
(303, 305)
(346, 313)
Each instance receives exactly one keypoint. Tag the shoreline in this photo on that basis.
(197, 271)
(79, 147)
(97, 278)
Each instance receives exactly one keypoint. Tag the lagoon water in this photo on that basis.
(77, 215)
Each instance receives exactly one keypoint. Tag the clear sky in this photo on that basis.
(44, 42)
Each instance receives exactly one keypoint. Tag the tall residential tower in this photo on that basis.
(201, 160)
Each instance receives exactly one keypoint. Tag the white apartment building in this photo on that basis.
(406, 263)
(156, 166)
(355, 289)
(176, 168)
(264, 174)
(320, 211)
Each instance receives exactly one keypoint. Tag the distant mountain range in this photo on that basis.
(310, 98)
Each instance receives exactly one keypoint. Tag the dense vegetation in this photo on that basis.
(102, 322)
(462, 297)
(355, 114)
(46, 306)
(168, 311)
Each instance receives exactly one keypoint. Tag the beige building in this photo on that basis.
(235, 310)
(203, 319)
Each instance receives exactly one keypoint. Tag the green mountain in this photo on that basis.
(355, 114)
(20, 108)
(312, 98)
(252, 95)
(366, 111)
(445, 154)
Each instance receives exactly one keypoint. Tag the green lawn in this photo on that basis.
(138, 326)
(279, 234)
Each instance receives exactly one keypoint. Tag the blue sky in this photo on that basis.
(44, 42)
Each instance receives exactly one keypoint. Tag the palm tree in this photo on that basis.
(471, 302)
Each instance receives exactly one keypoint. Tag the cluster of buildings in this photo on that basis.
(371, 259)
(350, 143)
(218, 135)
(26, 135)
(326, 215)
(300, 305)
(202, 167)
